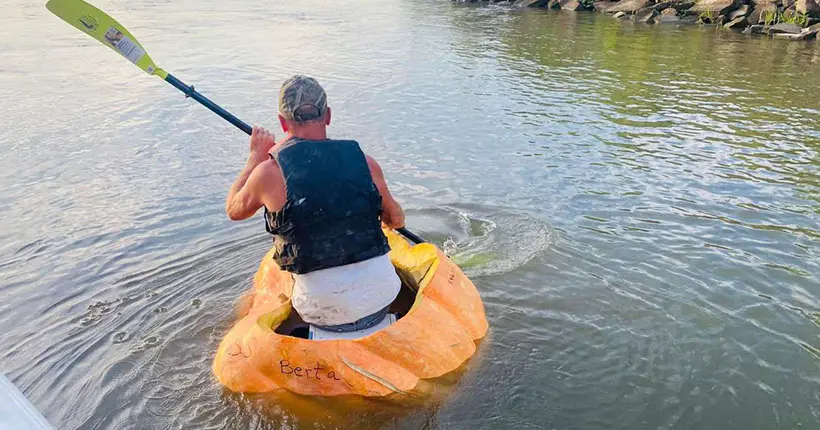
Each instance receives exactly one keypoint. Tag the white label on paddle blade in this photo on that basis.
(125, 46)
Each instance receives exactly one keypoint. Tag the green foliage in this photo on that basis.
(773, 16)
(769, 16)
(587, 4)
(707, 16)
(801, 19)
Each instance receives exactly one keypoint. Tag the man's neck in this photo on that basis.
(309, 134)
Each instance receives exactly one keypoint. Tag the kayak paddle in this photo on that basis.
(114, 35)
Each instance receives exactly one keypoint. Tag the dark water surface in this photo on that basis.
(639, 207)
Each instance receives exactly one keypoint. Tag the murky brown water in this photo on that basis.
(639, 207)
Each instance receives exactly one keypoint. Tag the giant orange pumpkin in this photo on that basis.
(442, 320)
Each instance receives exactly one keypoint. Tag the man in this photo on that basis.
(324, 203)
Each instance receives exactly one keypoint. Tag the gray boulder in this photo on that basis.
(531, 3)
(742, 11)
(806, 34)
(684, 5)
(659, 6)
(789, 14)
(811, 32)
(759, 14)
(739, 22)
(679, 5)
(788, 36)
(666, 19)
(571, 5)
(646, 16)
(809, 7)
(755, 29)
(602, 6)
(628, 6)
(715, 7)
(554, 4)
(619, 15)
(786, 28)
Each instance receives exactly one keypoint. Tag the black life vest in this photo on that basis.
(332, 214)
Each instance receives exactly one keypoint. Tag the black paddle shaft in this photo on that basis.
(410, 235)
(189, 91)
(194, 94)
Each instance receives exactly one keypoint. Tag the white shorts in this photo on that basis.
(341, 295)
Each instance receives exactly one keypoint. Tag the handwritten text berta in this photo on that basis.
(317, 372)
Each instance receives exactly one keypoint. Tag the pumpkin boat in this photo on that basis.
(440, 320)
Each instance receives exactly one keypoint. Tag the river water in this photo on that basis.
(638, 206)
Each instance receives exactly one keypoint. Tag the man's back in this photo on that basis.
(331, 214)
(324, 203)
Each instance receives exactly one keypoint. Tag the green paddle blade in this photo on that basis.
(105, 29)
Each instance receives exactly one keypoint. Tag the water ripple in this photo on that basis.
(637, 205)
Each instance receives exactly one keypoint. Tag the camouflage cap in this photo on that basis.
(302, 99)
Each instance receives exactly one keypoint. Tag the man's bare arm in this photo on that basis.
(244, 197)
(393, 215)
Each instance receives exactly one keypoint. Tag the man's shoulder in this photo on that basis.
(267, 170)
(267, 182)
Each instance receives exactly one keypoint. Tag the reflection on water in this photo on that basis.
(637, 205)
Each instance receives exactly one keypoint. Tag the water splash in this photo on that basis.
(483, 240)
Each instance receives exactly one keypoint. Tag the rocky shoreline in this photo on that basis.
(786, 19)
